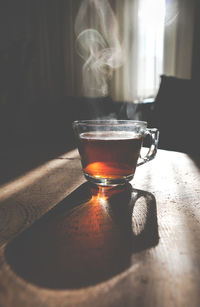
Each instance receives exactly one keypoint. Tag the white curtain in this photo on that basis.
(178, 38)
(157, 39)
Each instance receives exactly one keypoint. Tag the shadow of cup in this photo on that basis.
(87, 238)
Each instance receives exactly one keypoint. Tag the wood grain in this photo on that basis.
(136, 247)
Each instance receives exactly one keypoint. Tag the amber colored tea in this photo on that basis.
(110, 155)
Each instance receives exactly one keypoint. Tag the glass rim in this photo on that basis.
(109, 122)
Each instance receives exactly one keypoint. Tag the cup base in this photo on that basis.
(108, 181)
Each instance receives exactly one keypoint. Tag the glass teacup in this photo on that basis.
(110, 149)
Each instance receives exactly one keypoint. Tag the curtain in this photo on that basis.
(142, 36)
(59, 65)
(148, 38)
(178, 38)
(157, 38)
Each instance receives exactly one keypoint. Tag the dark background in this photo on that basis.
(37, 110)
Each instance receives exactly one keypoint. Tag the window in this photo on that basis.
(151, 17)
(143, 36)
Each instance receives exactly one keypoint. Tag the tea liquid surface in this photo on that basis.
(108, 154)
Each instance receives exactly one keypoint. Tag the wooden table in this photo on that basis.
(63, 244)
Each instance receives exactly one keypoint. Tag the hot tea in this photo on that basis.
(109, 155)
(109, 149)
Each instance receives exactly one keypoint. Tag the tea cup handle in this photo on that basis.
(154, 137)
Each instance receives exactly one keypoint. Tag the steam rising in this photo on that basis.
(98, 45)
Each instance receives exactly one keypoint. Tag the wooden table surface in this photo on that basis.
(63, 243)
